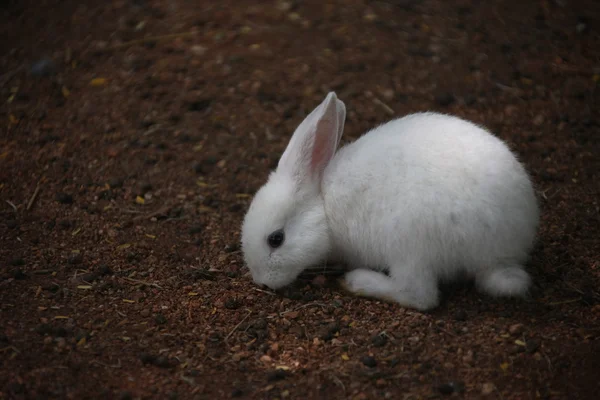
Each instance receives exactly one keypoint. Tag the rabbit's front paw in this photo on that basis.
(368, 283)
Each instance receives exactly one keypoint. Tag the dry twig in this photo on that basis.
(33, 197)
(237, 326)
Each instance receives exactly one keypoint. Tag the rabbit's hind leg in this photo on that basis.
(409, 290)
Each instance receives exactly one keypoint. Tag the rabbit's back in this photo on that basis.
(429, 189)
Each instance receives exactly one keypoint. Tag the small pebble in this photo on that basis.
(17, 262)
(19, 275)
(104, 270)
(388, 94)
(147, 358)
(195, 229)
(198, 50)
(160, 319)
(162, 362)
(516, 329)
(197, 167)
(460, 315)
(379, 340)
(532, 346)
(230, 248)
(145, 313)
(319, 281)
(75, 258)
(451, 387)
(43, 67)
(144, 187)
(487, 388)
(369, 361)
(538, 120)
(445, 99)
(125, 395)
(277, 375)
(88, 277)
(232, 304)
(115, 183)
(64, 198)
(11, 223)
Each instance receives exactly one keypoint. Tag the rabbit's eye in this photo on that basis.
(276, 238)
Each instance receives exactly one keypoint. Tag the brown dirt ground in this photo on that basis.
(126, 166)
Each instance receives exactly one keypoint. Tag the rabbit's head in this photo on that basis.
(285, 229)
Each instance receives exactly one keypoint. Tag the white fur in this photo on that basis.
(422, 198)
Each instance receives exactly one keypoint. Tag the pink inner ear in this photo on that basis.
(323, 147)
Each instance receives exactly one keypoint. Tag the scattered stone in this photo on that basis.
(198, 50)
(115, 183)
(277, 375)
(308, 297)
(195, 229)
(200, 274)
(75, 258)
(260, 323)
(460, 315)
(532, 346)
(232, 304)
(144, 187)
(388, 94)
(379, 340)
(162, 362)
(145, 313)
(582, 26)
(236, 207)
(329, 331)
(88, 277)
(538, 120)
(43, 67)
(445, 99)
(369, 361)
(19, 275)
(160, 319)
(451, 387)
(230, 248)
(11, 223)
(516, 329)
(159, 361)
(487, 388)
(319, 281)
(172, 395)
(64, 198)
(104, 270)
(198, 104)
(125, 395)
(468, 358)
(17, 262)
(197, 167)
(65, 223)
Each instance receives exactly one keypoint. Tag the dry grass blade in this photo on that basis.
(150, 39)
(143, 282)
(10, 203)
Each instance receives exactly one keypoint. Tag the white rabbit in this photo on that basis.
(413, 202)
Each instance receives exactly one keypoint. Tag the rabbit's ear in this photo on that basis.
(315, 141)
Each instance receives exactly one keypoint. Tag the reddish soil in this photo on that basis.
(134, 132)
